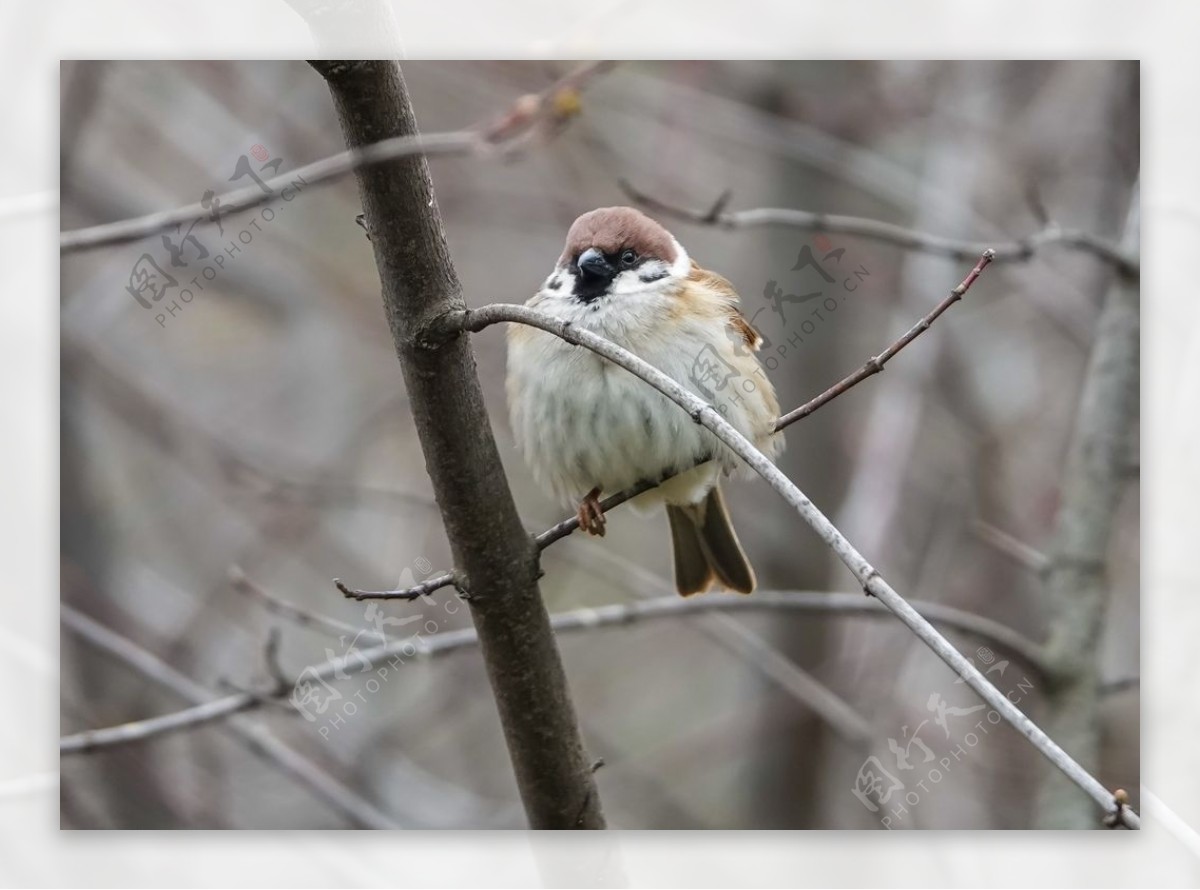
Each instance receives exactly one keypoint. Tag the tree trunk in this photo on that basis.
(494, 557)
(1076, 583)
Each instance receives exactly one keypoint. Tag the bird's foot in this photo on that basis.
(591, 517)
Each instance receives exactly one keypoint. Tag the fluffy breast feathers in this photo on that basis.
(583, 422)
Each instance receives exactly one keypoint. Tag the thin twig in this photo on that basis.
(873, 583)
(875, 364)
(426, 587)
(531, 117)
(564, 528)
(889, 233)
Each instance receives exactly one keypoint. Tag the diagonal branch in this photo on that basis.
(876, 364)
(872, 582)
(1022, 250)
(533, 116)
(557, 532)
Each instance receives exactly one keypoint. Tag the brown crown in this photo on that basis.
(612, 229)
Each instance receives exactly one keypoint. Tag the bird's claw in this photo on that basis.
(591, 517)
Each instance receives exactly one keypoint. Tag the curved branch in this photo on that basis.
(871, 580)
(889, 233)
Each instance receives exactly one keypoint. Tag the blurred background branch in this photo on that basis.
(1022, 250)
(415, 645)
(533, 117)
(256, 736)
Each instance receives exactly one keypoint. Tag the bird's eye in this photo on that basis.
(628, 258)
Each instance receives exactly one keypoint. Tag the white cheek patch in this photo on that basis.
(631, 282)
(653, 276)
(654, 270)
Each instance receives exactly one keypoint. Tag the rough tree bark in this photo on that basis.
(495, 560)
(1076, 584)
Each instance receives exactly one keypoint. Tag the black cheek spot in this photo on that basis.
(650, 275)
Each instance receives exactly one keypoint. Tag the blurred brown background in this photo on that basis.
(264, 426)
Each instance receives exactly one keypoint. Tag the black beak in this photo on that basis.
(594, 267)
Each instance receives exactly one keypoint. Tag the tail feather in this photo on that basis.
(707, 548)
(692, 571)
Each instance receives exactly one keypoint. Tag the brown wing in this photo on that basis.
(721, 286)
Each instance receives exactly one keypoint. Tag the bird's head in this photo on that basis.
(615, 251)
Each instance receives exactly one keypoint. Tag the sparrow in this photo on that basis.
(588, 427)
